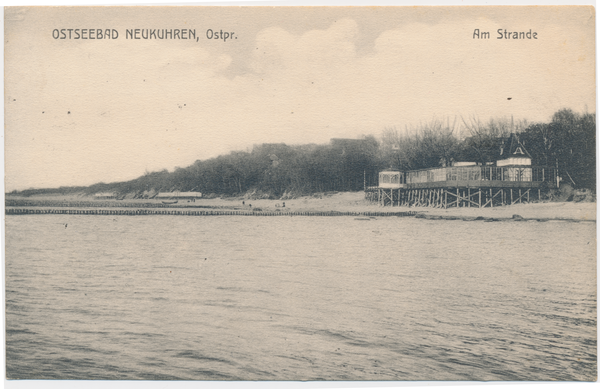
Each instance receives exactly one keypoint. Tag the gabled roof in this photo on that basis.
(512, 148)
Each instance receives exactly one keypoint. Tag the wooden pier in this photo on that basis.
(469, 186)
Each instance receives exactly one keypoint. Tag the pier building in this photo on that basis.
(510, 179)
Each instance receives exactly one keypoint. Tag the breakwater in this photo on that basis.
(140, 212)
(97, 204)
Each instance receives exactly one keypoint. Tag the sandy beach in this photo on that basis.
(355, 202)
(347, 202)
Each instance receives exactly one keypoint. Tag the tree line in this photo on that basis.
(567, 142)
(279, 170)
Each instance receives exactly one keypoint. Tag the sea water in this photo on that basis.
(298, 298)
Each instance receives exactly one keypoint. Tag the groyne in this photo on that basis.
(97, 204)
(143, 212)
(357, 215)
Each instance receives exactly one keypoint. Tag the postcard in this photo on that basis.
(274, 193)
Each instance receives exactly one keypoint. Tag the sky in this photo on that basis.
(78, 112)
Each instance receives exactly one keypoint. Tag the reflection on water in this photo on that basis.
(298, 298)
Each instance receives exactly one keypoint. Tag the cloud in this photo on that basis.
(149, 105)
(278, 51)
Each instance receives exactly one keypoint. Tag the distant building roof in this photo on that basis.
(178, 194)
(464, 164)
(346, 141)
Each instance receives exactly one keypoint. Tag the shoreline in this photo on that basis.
(349, 203)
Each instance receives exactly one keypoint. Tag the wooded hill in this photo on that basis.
(568, 142)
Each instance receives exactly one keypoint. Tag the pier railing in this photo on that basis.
(483, 173)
